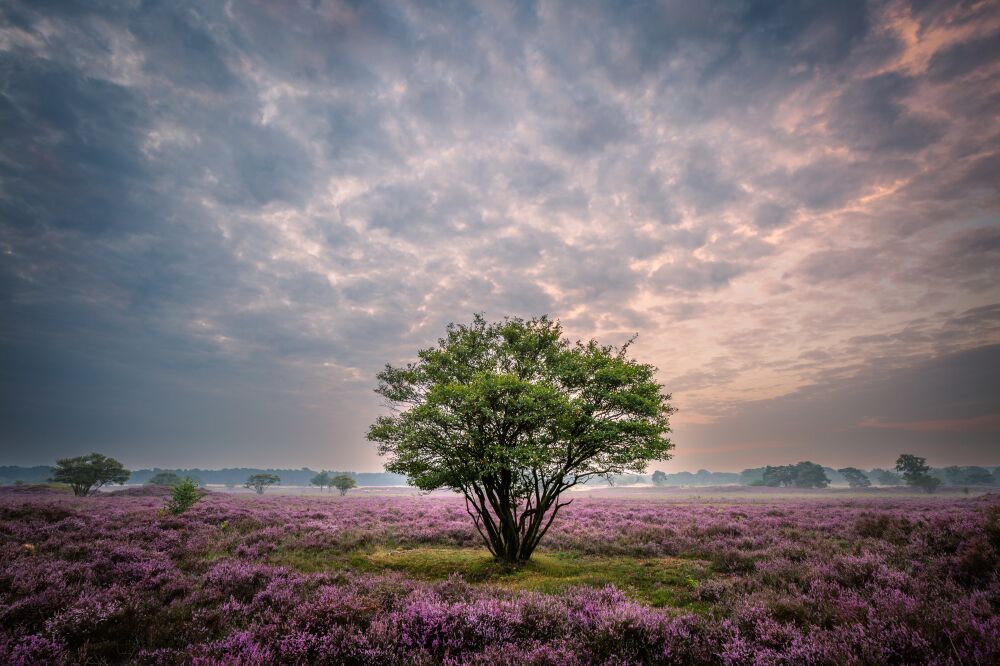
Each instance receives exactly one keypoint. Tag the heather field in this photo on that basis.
(755, 578)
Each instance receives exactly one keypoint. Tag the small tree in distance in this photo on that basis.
(164, 479)
(343, 483)
(855, 477)
(512, 415)
(322, 480)
(261, 481)
(86, 474)
(915, 472)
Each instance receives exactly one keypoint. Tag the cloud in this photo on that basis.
(830, 265)
(870, 115)
(942, 408)
(217, 222)
(696, 276)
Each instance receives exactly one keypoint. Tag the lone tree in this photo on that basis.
(511, 415)
(86, 474)
(322, 480)
(261, 481)
(855, 477)
(915, 472)
(164, 479)
(343, 483)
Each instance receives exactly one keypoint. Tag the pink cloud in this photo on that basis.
(990, 423)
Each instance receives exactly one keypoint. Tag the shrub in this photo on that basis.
(183, 496)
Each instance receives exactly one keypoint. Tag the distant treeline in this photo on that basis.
(233, 476)
(236, 476)
(788, 475)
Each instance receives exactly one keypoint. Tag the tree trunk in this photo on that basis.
(511, 530)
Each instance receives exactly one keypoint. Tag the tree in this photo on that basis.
(781, 475)
(855, 477)
(885, 477)
(809, 475)
(978, 476)
(968, 476)
(915, 472)
(164, 479)
(183, 496)
(954, 475)
(659, 478)
(802, 475)
(511, 415)
(322, 480)
(261, 481)
(85, 474)
(343, 483)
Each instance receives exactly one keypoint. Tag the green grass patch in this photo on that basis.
(656, 581)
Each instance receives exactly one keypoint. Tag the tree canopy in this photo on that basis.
(261, 481)
(86, 474)
(968, 476)
(801, 475)
(164, 479)
(886, 477)
(322, 479)
(855, 477)
(511, 415)
(343, 483)
(916, 472)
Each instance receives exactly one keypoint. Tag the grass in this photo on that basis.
(656, 581)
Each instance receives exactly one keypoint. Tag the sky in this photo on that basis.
(218, 221)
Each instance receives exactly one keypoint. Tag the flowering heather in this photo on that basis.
(262, 580)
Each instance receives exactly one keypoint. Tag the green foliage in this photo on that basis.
(261, 481)
(968, 476)
(511, 415)
(322, 480)
(885, 477)
(810, 475)
(86, 474)
(183, 496)
(855, 477)
(915, 472)
(776, 476)
(164, 479)
(802, 475)
(343, 483)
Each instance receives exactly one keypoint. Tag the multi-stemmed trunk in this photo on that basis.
(512, 524)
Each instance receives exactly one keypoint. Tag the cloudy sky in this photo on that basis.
(218, 221)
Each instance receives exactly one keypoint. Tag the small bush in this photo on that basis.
(183, 496)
